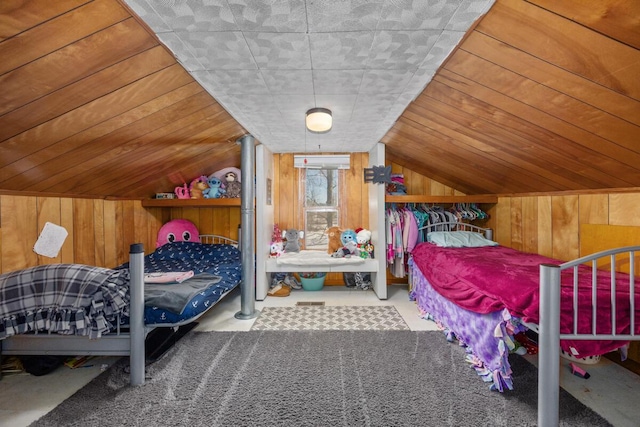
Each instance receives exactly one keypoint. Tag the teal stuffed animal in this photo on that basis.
(349, 244)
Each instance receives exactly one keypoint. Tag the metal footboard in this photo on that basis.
(130, 344)
(549, 332)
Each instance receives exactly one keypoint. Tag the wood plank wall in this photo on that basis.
(100, 231)
(551, 225)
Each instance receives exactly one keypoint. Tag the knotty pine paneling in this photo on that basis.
(18, 222)
(544, 232)
(624, 209)
(594, 209)
(286, 199)
(100, 231)
(48, 210)
(558, 219)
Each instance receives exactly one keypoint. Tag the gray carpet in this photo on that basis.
(311, 378)
(330, 318)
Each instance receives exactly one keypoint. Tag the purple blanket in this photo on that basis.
(489, 279)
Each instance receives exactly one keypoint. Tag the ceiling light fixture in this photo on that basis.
(319, 120)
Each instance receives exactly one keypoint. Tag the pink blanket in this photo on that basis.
(488, 279)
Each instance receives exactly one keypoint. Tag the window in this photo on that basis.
(321, 205)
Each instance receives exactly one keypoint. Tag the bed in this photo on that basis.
(483, 294)
(75, 309)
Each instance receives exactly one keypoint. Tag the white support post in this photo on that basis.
(377, 223)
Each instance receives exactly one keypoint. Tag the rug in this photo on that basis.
(311, 378)
(330, 318)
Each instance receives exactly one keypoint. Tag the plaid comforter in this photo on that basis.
(63, 298)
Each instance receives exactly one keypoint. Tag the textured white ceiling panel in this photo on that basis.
(268, 62)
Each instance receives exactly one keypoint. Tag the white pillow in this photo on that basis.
(459, 239)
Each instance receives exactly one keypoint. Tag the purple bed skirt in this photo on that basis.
(487, 338)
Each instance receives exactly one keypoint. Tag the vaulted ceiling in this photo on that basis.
(539, 96)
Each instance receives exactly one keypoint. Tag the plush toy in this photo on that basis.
(348, 236)
(276, 249)
(182, 192)
(349, 245)
(177, 230)
(333, 234)
(363, 237)
(198, 186)
(276, 236)
(215, 188)
(277, 245)
(232, 186)
(292, 236)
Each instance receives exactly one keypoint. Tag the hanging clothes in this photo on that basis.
(405, 228)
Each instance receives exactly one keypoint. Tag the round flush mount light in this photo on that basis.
(319, 120)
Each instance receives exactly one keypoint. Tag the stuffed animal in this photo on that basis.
(276, 236)
(292, 236)
(177, 230)
(348, 236)
(277, 245)
(198, 186)
(363, 237)
(333, 234)
(182, 192)
(349, 245)
(232, 186)
(276, 249)
(215, 188)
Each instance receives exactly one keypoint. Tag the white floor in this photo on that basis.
(611, 390)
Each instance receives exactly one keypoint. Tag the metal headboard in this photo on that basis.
(217, 239)
(457, 226)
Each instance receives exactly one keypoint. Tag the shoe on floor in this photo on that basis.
(280, 290)
(292, 282)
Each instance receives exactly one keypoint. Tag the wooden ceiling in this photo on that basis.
(541, 96)
(92, 104)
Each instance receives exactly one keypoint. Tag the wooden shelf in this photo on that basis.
(190, 203)
(440, 199)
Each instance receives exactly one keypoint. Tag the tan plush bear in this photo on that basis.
(198, 186)
(334, 239)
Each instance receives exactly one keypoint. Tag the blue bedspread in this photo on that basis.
(220, 260)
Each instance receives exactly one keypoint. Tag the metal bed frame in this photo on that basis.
(458, 226)
(549, 335)
(120, 343)
(548, 329)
